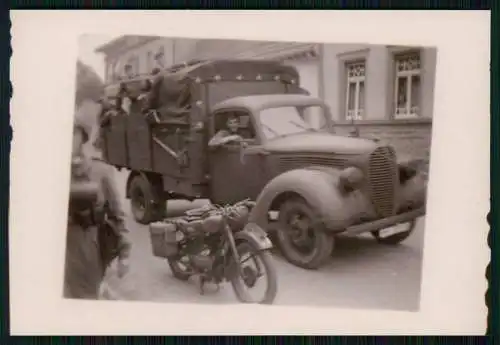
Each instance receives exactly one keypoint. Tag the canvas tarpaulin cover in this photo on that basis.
(169, 91)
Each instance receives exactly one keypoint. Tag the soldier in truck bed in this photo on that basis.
(96, 232)
(166, 97)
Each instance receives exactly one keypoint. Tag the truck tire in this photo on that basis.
(297, 226)
(145, 205)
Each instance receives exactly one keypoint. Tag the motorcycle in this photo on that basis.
(211, 242)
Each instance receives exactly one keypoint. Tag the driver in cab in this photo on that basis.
(228, 135)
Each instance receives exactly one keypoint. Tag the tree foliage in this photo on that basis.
(89, 86)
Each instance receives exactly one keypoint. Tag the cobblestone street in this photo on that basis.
(361, 274)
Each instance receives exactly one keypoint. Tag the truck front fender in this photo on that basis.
(319, 188)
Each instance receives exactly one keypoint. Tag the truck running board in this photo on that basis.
(385, 222)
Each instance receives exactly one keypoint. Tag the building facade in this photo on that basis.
(385, 92)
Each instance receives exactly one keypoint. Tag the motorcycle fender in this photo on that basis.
(254, 234)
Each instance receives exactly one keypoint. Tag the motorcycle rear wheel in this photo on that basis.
(266, 259)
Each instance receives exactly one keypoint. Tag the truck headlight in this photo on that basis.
(406, 172)
(350, 179)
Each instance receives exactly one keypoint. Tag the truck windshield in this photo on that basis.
(283, 121)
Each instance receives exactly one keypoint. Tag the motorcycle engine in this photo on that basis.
(202, 261)
(197, 250)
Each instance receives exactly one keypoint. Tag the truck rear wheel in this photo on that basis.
(146, 206)
(301, 237)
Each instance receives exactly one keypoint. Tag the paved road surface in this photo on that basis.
(361, 274)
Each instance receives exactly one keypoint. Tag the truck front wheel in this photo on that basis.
(146, 206)
(301, 235)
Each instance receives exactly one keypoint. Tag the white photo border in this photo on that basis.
(456, 253)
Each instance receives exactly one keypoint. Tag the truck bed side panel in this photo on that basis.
(165, 147)
(138, 140)
(114, 141)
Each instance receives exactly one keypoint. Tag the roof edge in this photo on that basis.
(106, 48)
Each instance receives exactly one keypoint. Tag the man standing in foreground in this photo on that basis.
(96, 232)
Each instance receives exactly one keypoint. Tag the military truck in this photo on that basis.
(310, 184)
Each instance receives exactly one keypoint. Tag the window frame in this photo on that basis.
(240, 111)
(108, 72)
(159, 56)
(136, 67)
(343, 60)
(357, 80)
(398, 55)
(111, 73)
(149, 62)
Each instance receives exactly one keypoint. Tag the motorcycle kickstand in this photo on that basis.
(202, 285)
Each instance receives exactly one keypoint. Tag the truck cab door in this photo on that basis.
(237, 171)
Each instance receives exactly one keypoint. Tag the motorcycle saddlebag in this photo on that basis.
(163, 239)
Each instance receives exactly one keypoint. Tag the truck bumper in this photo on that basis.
(385, 222)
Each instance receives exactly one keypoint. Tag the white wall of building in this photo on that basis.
(379, 79)
(309, 77)
(308, 73)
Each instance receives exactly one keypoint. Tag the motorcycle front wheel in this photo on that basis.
(245, 277)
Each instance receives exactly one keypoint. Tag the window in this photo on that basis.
(284, 121)
(160, 57)
(111, 72)
(149, 62)
(136, 65)
(108, 72)
(128, 69)
(355, 90)
(244, 124)
(407, 86)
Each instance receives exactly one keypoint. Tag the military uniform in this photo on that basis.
(96, 232)
(222, 137)
(108, 110)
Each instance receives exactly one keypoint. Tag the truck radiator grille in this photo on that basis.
(382, 174)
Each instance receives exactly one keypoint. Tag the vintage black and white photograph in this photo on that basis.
(278, 172)
(235, 171)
